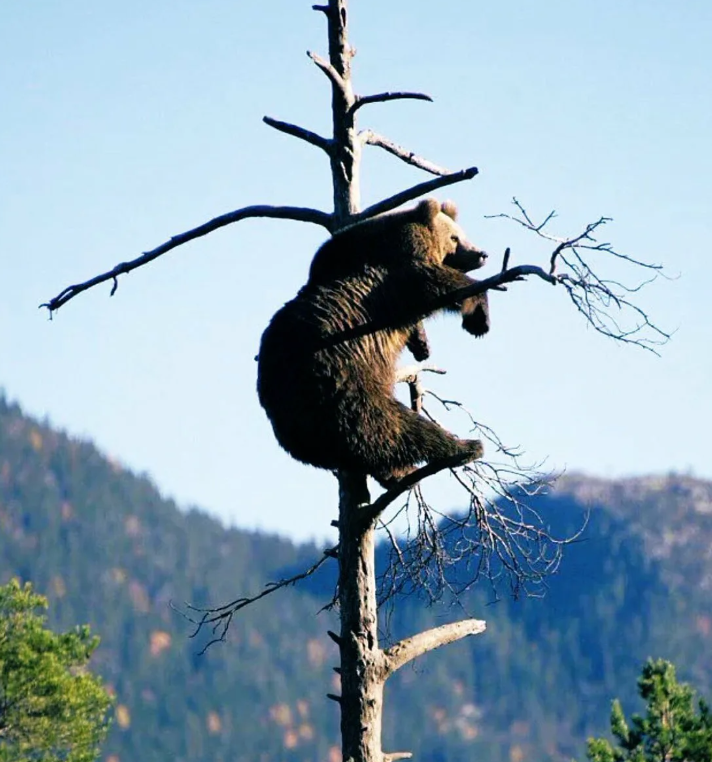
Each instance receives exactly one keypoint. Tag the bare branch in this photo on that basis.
(410, 648)
(389, 96)
(564, 243)
(394, 756)
(371, 512)
(336, 79)
(374, 139)
(480, 429)
(220, 617)
(299, 132)
(604, 302)
(415, 192)
(300, 214)
(408, 373)
(500, 536)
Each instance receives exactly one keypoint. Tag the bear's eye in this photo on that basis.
(455, 238)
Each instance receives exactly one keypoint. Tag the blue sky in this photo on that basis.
(124, 124)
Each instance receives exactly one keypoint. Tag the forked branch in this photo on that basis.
(500, 537)
(605, 302)
(218, 619)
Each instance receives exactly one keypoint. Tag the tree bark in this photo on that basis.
(362, 661)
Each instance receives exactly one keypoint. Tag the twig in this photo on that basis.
(299, 132)
(300, 214)
(389, 96)
(416, 191)
(526, 222)
(372, 138)
(480, 429)
(602, 301)
(501, 536)
(220, 617)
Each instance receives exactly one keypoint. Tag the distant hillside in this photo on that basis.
(108, 550)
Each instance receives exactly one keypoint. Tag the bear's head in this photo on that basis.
(452, 244)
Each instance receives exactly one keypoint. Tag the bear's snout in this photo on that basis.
(466, 258)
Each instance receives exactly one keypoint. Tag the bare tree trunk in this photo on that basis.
(346, 147)
(362, 669)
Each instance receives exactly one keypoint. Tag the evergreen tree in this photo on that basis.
(675, 728)
(51, 708)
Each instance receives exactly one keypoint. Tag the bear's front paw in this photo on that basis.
(476, 322)
(475, 447)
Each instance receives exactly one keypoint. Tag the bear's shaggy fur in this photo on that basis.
(331, 400)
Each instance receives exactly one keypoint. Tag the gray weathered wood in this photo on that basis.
(364, 666)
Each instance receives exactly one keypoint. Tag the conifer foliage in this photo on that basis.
(676, 727)
(51, 707)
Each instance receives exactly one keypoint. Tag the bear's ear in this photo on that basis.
(427, 210)
(450, 209)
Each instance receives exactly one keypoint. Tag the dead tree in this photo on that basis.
(500, 532)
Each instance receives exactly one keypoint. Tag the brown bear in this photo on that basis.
(332, 261)
(330, 399)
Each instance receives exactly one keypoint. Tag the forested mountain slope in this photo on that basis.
(109, 550)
